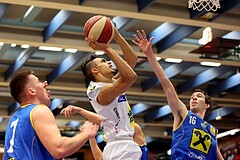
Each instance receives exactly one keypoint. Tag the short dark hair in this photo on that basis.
(18, 83)
(207, 98)
(87, 66)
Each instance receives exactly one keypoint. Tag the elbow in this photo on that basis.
(130, 77)
(134, 61)
(133, 77)
(58, 153)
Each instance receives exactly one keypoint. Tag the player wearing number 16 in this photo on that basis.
(32, 133)
(193, 137)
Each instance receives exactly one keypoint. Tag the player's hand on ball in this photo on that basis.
(96, 45)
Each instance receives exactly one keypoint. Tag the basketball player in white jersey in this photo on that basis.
(106, 93)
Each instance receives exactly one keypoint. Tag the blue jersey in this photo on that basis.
(21, 141)
(194, 139)
(144, 152)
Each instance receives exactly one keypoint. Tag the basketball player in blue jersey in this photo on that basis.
(31, 132)
(106, 93)
(138, 135)
(193, 138)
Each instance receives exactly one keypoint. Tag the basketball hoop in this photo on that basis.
(208, 5)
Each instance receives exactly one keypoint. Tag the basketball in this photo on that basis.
(100, 27)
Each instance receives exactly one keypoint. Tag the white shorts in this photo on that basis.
(122, 150)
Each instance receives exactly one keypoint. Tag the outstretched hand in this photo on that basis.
(70, 110)
(142, 42)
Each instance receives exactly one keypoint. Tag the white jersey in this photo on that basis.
(117, 118)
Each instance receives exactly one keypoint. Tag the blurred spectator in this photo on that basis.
(236, 153)
(230, 154)
(224, 155)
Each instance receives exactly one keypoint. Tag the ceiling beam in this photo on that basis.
(224, 85)
(220, 112)
(119, 21)
(162, 31)
(203, 77)
(55, 24)
(159, 113)
(3, 9)
(31, 14)
(139, 108)
(232, 35)
(123, 24)
(177, 35)
(143, 4)
(126, 27)
(67, 64)
(19, 62)
(170, 71)
(234, 89)
(3, 50)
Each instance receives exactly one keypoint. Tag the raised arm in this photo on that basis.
(91, 116)
(178, 108)
(46, 129)
(126, 74)
(129, 55)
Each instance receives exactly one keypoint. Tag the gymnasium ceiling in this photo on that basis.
(59, 23)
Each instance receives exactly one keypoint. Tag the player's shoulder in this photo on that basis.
(41, 109)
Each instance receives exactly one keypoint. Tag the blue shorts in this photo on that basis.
(144, 152)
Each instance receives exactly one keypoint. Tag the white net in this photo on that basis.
(208, 5)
